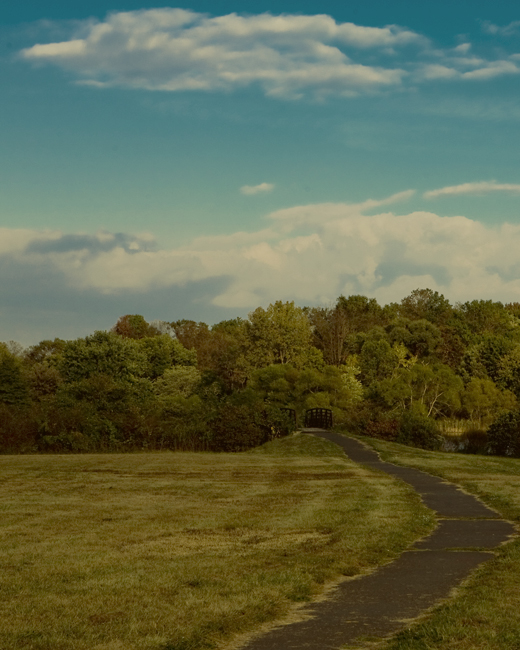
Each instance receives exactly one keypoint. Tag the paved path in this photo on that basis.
(380, 603)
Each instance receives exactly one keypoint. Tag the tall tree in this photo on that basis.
(162, 352)
(280, 334)
(426, 304)
(483, 401)
(104, 353)
(433, 390)
(364, 313)
(330, 329)
(421, 337)
(195, 336)
(134, 326)
(487, 317)
(44, 351)
(13, 386)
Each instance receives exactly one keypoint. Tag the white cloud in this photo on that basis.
(467, 69)
(287, 55)
(463, 48)
(262, 188)
(174, 50)
(318, 214)
(438, 71)
(492, 69)
(462, 64)
(309, 253)
(505, 30)
(483, 187)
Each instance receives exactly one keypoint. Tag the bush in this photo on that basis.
(274, 422)
(180, 423)
(384, 428)
(359, 417)
(73, 442)
(504, 435)
(18, 430)
(418, 430)
(234, 429)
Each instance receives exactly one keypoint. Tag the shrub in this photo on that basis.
(234, 429)
(73, 442)
(504, 435)
(384, 428)
(13, 387)
(18, 430)
(418, 430)
(275, 422)
(180, 423)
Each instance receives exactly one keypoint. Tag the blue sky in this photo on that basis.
(196, 161)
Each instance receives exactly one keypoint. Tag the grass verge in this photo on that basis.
(180, 551)
(485, 612)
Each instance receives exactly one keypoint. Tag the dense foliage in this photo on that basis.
(406, 372)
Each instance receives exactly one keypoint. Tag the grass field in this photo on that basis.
(485, 613)
(180, 551)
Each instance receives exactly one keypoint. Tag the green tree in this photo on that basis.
(508, 371)
(181, 423)
(226, 354)
(280, 334)
(162, 352)
(179, 380)
(483, 400)
(330, 329)
(102, 353)
(452, 346)
(425, 304)
(485, 357)
(421, 337)
(363, 313)
(513, 308)
(104, 390)
(378, 359)
(13, 386)
(486, 316)
(220, 349)
(134, 326)
(301, 389)
(417, 430)
(504, 435)
(43, 380)
(195, 336)
(431, 390)
(46, 350)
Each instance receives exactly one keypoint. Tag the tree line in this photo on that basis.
(405, 371)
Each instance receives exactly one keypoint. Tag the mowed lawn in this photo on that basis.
(180, 551)
(485, 612)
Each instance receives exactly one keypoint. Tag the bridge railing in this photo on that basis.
(318, 418)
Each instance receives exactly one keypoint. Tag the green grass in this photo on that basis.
(484, 614)
(182, 551)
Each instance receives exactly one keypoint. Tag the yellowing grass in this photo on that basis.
(183, 551)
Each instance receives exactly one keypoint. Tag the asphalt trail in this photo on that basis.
(381, 603)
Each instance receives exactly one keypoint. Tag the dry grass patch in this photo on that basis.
(180, 551)
(485, 613)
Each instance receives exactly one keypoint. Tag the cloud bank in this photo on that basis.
(309, 253)
(287, 56)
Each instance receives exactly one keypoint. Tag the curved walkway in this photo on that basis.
(378, 604)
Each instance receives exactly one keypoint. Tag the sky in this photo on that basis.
(200, 160)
